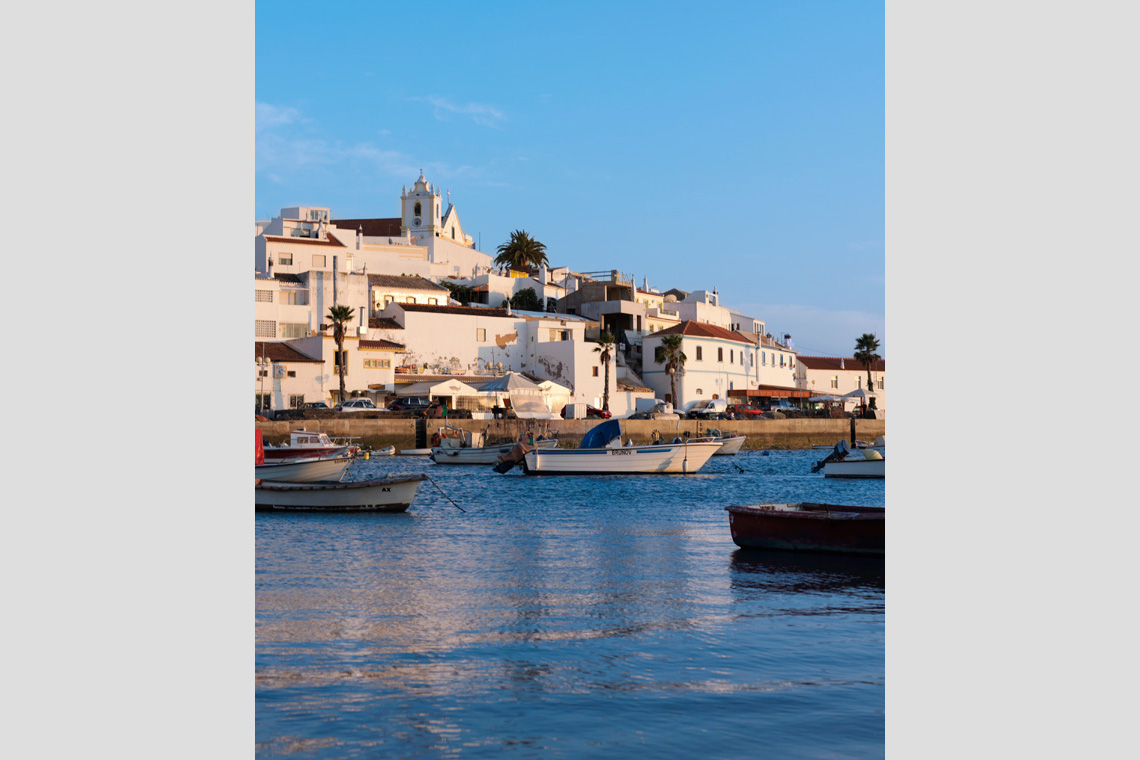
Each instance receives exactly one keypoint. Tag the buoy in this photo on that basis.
(871, 454)
(366, 455)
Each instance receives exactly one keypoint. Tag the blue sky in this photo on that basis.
(741, 148)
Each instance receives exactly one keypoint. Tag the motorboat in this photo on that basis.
(730, 443)
(843, 462)
(809, 527)
(310, 443)
(452, 445)
(303, 470)
(602, 453)
(391, 494)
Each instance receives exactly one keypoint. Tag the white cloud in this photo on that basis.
(268, 116)
(480, 113)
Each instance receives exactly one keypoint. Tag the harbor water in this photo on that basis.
(588, 616)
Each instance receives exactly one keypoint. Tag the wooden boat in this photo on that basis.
(601, 453)
(311, 443)
(809, 527)
(303, 470)
(377, 495)
(454, 445)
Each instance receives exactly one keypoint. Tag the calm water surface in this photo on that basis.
(568, 617)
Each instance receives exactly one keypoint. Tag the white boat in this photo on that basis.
(303, 469)
(602, 453)
(378, 495)
(415, 452)
(309, 443)
(457, 446)
(730, 443)
(842, 462)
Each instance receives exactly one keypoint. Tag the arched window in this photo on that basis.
(417, 211)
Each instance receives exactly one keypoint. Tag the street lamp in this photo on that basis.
(263, 367)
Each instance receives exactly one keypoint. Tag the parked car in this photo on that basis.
(783, 406)
(708, 409)
(410, 404)
(743, 411)
(590, 412)
(315, 405)
(358, 405)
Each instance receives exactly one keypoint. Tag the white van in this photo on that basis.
(708, 409)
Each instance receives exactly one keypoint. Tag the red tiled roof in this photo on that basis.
(849, 363)
(383, 323)
(306, 241)
(701, 330)
(467, 310)
(402, 283)
(371, 227)
(379, 344)
(279, 352)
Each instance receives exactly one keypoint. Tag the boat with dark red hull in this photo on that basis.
(810, 527)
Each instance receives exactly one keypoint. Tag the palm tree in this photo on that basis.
(669, 353)
(605, 347)
(865, 349)
(521, 251)
(340, 316)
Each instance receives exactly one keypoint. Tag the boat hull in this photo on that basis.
(856, 468)
(292, 452)
(729, 446)
(482, 455)
(676, 458)
(379, 495)
(303, 470)
(810, 527)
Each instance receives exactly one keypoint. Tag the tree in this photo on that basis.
(521, 251)
(865, 349)
(669, 353)
(461, 293)
(340, 316)
(527, 300)
(605, 347)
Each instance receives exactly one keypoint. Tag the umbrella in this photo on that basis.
(857, 393)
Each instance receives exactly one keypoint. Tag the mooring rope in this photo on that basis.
(461, 509)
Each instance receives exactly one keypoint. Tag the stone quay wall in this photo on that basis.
(761, 434)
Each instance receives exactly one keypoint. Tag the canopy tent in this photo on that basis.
(858, 393)
(511, 381)
(825, 398)
(436, 388)
(553, 388)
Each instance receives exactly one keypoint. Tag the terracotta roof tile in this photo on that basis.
(383, 323)
(279, 352)
(306, 241)
(832, 363)
(403, 283)
(379, 344)
(468, 310)
(701, 330)
(371, 227)
(291, 279)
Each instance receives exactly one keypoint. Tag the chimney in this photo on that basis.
(841, 364)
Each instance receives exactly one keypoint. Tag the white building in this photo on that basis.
(719, 363)
(838, 376)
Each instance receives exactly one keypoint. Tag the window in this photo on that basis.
(296, 401)
(595, 371)
(433, 302)
(700, 392)
(880, 383)
(764, 358)
(294, 297)
(291, 373)
(835, 381)
(698, 358)
(730, 357)
(385, 364)
(418, 210)
(720, 354)
(389, 299)
(263, 296)
(481, 334)
(285, 259)
(264, 401)
(265, 328)
(859, 381)
(410, 299)
(453, 233)
(340, 359)
(294, 329)
(318, 260)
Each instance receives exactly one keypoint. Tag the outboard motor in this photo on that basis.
(512, 458)
(837, 455)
